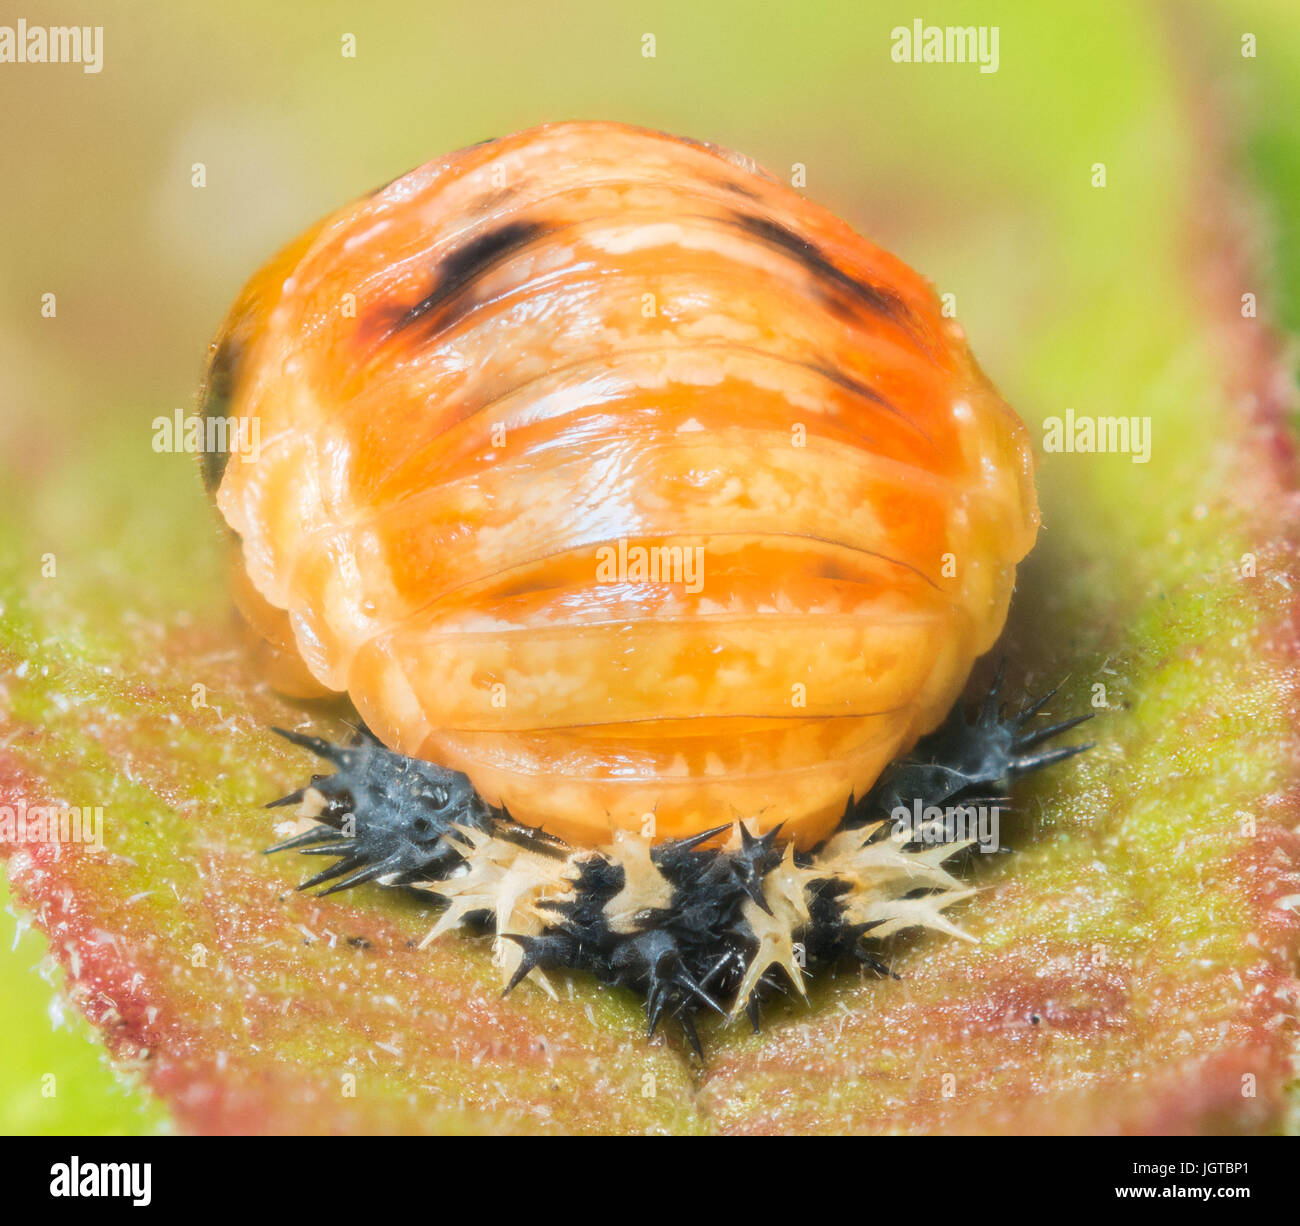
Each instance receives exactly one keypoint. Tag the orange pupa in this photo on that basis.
(603, 469)
(516, 405)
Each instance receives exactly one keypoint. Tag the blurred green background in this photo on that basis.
(979, 180)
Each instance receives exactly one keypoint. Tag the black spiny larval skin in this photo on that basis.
(687, 927)
(384, 816)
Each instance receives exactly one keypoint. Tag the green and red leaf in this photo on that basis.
(1136, 970)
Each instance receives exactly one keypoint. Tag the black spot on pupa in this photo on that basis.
(853, 386)
(826, 274)
(214, 401)
(457, 271)
(735, 187)
(861, 391)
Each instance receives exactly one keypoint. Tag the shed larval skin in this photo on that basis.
(589, 336)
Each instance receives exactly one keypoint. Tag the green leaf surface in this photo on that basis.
(1137, 956)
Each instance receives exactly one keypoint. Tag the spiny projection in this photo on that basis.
(717, 922)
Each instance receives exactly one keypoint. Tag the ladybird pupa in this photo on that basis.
(633, 482)
(652, 520)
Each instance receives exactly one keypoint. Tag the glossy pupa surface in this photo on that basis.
(604, 468)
